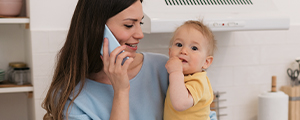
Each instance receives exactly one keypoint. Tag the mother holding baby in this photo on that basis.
(89, 86)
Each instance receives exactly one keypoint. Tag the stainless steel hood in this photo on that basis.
(220, 15)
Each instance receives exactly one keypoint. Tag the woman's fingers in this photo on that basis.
(113, 56)
(105, 52)
(127, 63)
(121, 56)
(120, 59)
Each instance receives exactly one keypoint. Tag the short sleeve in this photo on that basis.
(75, 113)
(78, 117)
(196, 89)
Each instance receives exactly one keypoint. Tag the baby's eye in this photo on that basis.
(178, 44)
(194, 48)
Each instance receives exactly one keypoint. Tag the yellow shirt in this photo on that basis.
(199, 86)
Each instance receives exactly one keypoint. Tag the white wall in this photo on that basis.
(291, 8)
(51, 15)
(243, 65)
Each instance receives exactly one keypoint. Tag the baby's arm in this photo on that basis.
(180, 97)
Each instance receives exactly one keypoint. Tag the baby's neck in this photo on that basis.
(193, 73)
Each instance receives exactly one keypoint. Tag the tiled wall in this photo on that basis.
(45, 45)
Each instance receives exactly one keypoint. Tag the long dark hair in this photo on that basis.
(80, 54)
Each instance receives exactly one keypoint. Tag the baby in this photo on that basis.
(191, 52)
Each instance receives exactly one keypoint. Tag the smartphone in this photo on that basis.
(112, 42)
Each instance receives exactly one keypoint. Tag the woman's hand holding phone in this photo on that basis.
(116, 72)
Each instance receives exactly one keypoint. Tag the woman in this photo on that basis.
(89, 86)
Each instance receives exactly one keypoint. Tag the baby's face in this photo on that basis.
(190, 46)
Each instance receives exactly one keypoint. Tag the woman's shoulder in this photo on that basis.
(90, 88)
(155, 62)
(156, 57)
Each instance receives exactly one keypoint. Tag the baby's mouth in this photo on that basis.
(183, 60)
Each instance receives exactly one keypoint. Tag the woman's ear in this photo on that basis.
(208, 62)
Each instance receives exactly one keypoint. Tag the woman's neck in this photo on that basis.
(135, 66)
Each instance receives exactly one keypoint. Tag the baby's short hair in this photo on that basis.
(207, 33)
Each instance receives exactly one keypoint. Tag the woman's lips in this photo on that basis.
(132, 46)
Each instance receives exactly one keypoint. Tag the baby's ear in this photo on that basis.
(208, 62)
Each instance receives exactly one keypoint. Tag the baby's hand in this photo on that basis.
(174, 64)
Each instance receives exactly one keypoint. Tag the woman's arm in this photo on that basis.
(213, 115)
(118, 77)
(180, 97)
(120, 106)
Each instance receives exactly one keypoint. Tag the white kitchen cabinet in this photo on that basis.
(16, 102)
(16, 89)
(21, 20)
(41, 39)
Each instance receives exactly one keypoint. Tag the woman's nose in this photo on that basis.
(138, 33)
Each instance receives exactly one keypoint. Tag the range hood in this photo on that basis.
(162, 16)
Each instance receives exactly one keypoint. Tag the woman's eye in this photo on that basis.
(129, 26)
(194, 48)
(178, 44)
